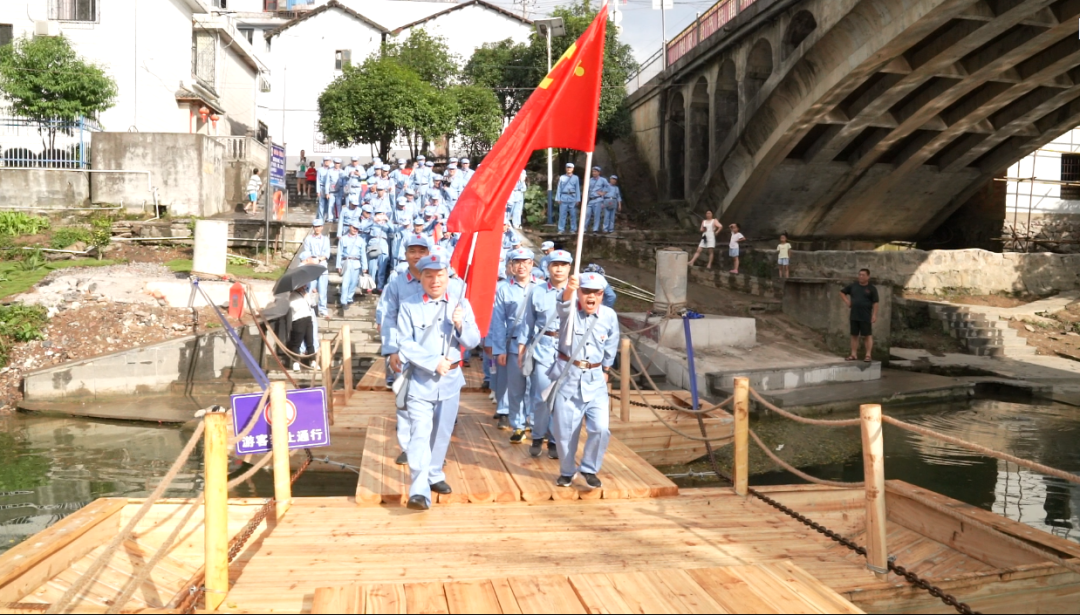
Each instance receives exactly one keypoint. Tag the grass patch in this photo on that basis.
(183, 265)
(19, 323)
(14, 279)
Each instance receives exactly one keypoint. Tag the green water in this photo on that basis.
(50, 467)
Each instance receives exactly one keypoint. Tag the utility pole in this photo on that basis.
(548, 28)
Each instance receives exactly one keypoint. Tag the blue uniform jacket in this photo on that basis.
(350, 216)
(600, 347)
(541, 316)
(614, 195)
(316, 247)
(415, 315)
(598, 189)
(505, 319)
(352, 247)
(569, 189)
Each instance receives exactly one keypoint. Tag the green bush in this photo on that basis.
(20, 323)
(68, 235)
(32, 261)
(535, 213)
(101, 233)
(18, 223)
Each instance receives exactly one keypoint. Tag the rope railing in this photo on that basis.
(797, 472)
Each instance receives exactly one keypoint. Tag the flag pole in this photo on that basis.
(582, 213)
(468, 265)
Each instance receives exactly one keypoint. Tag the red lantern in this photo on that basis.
(203, 112)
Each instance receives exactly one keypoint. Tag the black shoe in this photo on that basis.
(496, 416)
(592, 480)
(553, 451)
(418, 502)
(442, 488)
(485, 385)
(402, 459)
(504, 422)
(518, 436)
(466, 363)
(562, 481)
(536, 448)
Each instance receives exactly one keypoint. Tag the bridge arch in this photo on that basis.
(759, 66)
(676, 146)
(801, 26)
(725, 103)
(697, 132)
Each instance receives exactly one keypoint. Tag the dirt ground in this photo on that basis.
(998, 301)
(1058, 336)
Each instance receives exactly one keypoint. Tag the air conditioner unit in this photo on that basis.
(46, 28)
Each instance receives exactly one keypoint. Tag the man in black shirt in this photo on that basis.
(862, 299)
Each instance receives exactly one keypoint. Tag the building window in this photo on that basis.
(1070, 172)
(270, 5)
(342, 58)
(203, 55)
(73, 10)
(7, 34)
(247, 33)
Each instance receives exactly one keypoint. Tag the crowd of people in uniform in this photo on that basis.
(552, 338)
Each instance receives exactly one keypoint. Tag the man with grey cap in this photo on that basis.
(568, 194)
(351, 260)
(598, 190)
(516, 205)
(538, 341)
(466, 171)
(588, 341)
(546, 249)
(421, 178)
(612, 204)
(320, 187)
(400, 178)
(433, 327)
(511, 300)
(316, 251)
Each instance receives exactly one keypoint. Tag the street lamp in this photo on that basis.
(548, 28)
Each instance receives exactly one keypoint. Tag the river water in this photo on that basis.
(52, 466)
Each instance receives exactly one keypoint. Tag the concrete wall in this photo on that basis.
(44, 188)
(152, 369)
(816, 303)
(188, 171)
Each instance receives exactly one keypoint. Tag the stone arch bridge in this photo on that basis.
(855, 119)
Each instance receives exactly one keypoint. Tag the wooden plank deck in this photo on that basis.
(483, 466)
(779, 587)
(374, 378)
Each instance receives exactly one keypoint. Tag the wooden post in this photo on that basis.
(327, 359)
(216, 508)
(624, 380)
(742, 435)
(279, 438)
(877, 553)
(346, 361)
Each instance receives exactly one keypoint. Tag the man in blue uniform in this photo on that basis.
(351, 261)
(349, 215)
(588, 341)
(466, 171)
(612, 204)
(316, 251)
(337, 181)
(320, 187)
(511, 299)
(378, 255)
(433, 327)
(537, 337)
(546, 249)
(568, 194)
(598, 190)
(399, 177)
(516, 205)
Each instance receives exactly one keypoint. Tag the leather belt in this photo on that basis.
(581, 364)
(551, 333)
(352, 258)
(455, 365)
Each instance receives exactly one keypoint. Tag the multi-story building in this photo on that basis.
(1042, 203)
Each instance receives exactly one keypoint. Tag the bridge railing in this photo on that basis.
(648, 69)
(703, 27)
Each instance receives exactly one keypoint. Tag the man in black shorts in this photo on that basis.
(862, 299)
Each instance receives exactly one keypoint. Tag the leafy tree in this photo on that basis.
(432, 116)
(45, 80)
(507, 68)
(370, 103)
(479, 118)
(428, 56)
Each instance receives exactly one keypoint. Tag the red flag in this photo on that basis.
(561, 112)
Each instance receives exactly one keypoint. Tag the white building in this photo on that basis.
(169, 58)
(307, 53)
(1043, 198)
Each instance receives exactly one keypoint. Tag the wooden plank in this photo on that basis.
(369, 484)
(505, 593)
(810, 588)
(482, 452)
(684, 591)
(455, 477)
(338, 600)
(386, 598)
(535, 482)
(658, 484)
(395, 479)
(729, 590)
(546, 594)
(472, 597)
(598, 594)
(425, 598)
(27, 565)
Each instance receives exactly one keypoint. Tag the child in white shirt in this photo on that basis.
(733, 246)
(783, 252)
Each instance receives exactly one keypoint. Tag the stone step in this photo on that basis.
(782, 378)
(984, 332)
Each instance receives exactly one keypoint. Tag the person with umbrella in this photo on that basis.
(316, 251)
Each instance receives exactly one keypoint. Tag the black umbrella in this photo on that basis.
(278, 307)
(298, 277)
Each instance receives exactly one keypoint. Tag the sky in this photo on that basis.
(640, 26)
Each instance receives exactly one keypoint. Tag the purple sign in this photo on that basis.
(305, 410)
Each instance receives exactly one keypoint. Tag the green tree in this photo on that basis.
(370, 103)
(45, 80)
(479, 118)
(427, 56)
(432, 117)
(507, 69)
